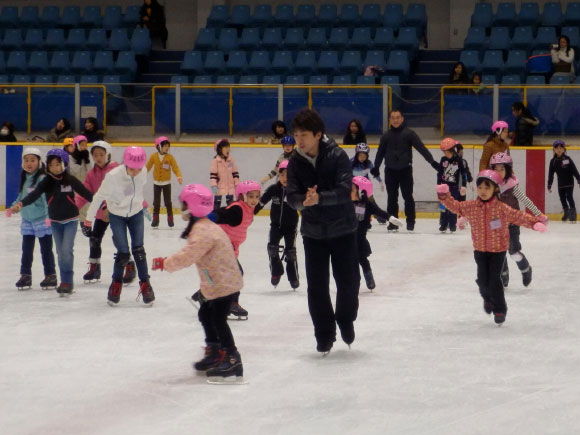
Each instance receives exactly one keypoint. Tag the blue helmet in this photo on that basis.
(288, 140)
(57, 152)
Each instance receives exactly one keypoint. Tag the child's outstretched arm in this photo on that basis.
(574, 171)
(521, 196)
(265, 199)
(449, 202)
(32, 196)
(176, 170)
(523, 219)
(377, 211)
(197, 246)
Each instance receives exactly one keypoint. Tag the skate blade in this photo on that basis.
(65, 295)
(112, 304)
(50, 287)
(240, 318)
(148, 305)
(192, 302)
(325, 354)
(91, 281)
(20, 289)
(230, 380)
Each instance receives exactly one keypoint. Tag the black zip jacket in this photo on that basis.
(333, 216)
(467, 177)
(451, 171)
(60, 196)
(281, 214)
(565, 169)
(524, 131)
(364, 209)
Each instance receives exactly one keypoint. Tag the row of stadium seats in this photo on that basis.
(77, 39)
(288, 62)
(111, 81)
(493, 62)
(517, 79)
(522, 37)
(92, 16)
(529, 14)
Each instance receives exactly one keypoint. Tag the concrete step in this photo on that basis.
(439, 55)
(164, 67)
(429, 79)
(154, 78)
(435, 66)
(165, 55)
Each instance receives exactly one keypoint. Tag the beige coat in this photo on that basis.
(496, 145)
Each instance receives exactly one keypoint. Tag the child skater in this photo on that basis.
(283, 223)
(364, 207)
(79, 160)
(288, 144)
(163, 163)
(34, 223)
(451, 173)
(512, 195)
(220, 276)
(566, 171)
(59, 187)
(122, 189)
(362, 165)
(467, 177)
(223, 173)
(489, 219)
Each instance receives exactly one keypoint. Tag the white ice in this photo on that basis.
(426, 359)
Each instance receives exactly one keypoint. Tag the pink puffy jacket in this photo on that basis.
(238, 233)
(92, 182)
(224, 175)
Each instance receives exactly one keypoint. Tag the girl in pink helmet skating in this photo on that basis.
(496, 143)
(223, 173)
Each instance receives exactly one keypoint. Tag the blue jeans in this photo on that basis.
(135, 225)
(64, 240)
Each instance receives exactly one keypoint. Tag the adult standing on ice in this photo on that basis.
(396, 148)
(319, 186)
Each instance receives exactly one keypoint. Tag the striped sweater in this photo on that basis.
(512, 194)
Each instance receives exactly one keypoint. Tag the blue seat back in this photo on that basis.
(294, 38)
(82, 62)
(305, 61)
(361, 37)
(272, 38)
(54, 39)
(475, 38)
(384, 39)
(206, 39)
(393, 16)
(535, 80)
(12, 39)
(9, 17)
(375, 57)
(227, 40)
(92, 17)
(16, 62)
(371, 15)
(141, 42)
(552, 15)
(71, 16)
(529, 14)
(103, 62)
(132, 16)
(50, 16)
(327, 15)
(499, 38)
(349, 15)
(470, 58)
(351, 61)
(97, 39)
(240, 15)
(262, 15)
(416, 15)
(506, 14)
(192, 63)
(259, 62)
(338, 38)
(573, 33)
(113, 17)
(218, 16)
(523, 37)
(482, 15)
(38, 62)
(250, 39)
(60, 62)
(33, 39)
(214, 62)
(283, 62)
(305, 15)
(29, 16)
(76, 39)
(316, 38)
(237, 62)
(119, 40)
(328, 62)
(284, 15)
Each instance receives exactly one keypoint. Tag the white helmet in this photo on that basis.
(31, 150)
(104, 145)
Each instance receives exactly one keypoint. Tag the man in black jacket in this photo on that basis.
(396, 147)
(319, 186)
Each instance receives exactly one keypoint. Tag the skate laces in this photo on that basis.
(116, 289)
(144, 290)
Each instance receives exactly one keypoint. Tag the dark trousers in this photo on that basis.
(213, 316)
(514, 249)
(341, 252)
(217, 201)
(403, 179)
(166, 190)
(489, 267)
(236, 296)
(97, 234)
(45, 251)
(364, 249)
(447, 218)
(567, 197)
(276, 266)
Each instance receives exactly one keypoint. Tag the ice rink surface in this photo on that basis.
(426, 359)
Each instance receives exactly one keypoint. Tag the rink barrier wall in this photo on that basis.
(530, 165)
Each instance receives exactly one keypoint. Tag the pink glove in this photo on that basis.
(47, 222)
(462, 222)
(8, 213)
(462, 191)
(145, 205)
(442, 190)
(538, 226)
(544, 219)
(88, 224)
(158, 263)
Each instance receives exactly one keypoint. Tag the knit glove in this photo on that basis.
(442, 190)
(463, 191)
(462, 222)
(8, 213)
(214, 190)
(158, 263)
(544, 219)
(538, 226)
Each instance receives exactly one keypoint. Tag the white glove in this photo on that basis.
(462, 191)
(393, 220)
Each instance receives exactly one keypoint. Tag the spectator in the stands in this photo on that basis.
(476, 81)
(92, 132)
(354, 133)
(278, 131)
(563, 58)
(523, 135)
(7, 132)
(153, 17)
(458, 76)
(61, 131)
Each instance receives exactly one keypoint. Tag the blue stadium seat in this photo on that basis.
(284, 15)
(416, 16)
(545, 37)
(43, 80)
(262, 15)
(328, 62)
(82, 62)
(348, 15)
(192, 63)
(489, 79)
(511, 79)
(272, 38)
(375, 57)
(237, 62)
(12, 39)
(103, 63)
(482, 15)
(132, 16)
(572, 15)
(516, 62)
(371, 15)
(218, 16)
(71, 16)
(535, 80)
(551, 15)
(240, 16)
(398, 63)
(50, 16)
(407, 40)
(316, 39)
(271, 80)
(113, 83)
(393, 17)
(202, 80)
(294, 80)
(283, 62)
(470, 58)
(65, 80)
(9, 17)
(250, 39)
(227, 40)
(327, 15)
(38, 62)
(560, 80)
(182, 80)
(573, 33)
(294, 38)
(366, 81)
(54, 39)
(338, 38)
(318, 80)
(361, 37)
(126, 63)
(499, 38)
(251, 79)
(16, 62)
(305, 15)
(33, 39)
(492, 62)
(4, 80)
(475, 39)
(384, 39)
(393, 82)
(259, 62)
(2, 63)
(523, 38)
(214, 62)
(59, 63)
(90, 79)
(97, 39)
(119, 40)
(305, 62)
(29, 17)
(206, 39)
(505, 15)
(225, 80)
(351, 62)
(113, 17)
(21, 79)
(76, 39)
(141, 42)
(92, 17)
(529, 14)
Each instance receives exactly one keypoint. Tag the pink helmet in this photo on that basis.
(363, 184)
(134, 157)
(247, 186)
(498, 126)
(447, 143)
(501, 159)
(160, 140)
(217, 146)
(491, 175)
(78, 139)
(283, 164)
(198, 198)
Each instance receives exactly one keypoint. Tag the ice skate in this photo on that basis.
(237, 312)
(370, 280)
(295, 284)
(324, 347)
(130, 273)
(391, 228)
(410, 227)
(170, 221)
(487, 307)
(347, 332)
(213, 357)
(49, 282)
(93, 274)
(196, 299)
(527, 276)
(114, 294)
(25, 282)
(499, 318)
(146, 292)
(275, 280)
(565, 215)
(65, 289)
(155, 221)
(452, 229)
(443, 229)
(229, 372)
(381, 221)
(572, 216)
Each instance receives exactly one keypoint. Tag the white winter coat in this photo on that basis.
(560, 56)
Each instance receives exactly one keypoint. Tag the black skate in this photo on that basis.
(170, 221)
(65, 289)
(499, 318)
(196, 299)
(213, 357)
(566, 214)
(155, 221)
(275, 280)
(93, 274)
(324, 347)
(391, 228)
(347, 332)
(130, 273)
(572, 216)
(114, 294)
(230, 370)
(487, 307)
(370, 280)
(49, 282)
(452, 229)
(295, 284)
(410, 227)
(146, 291)
(443, 228)
(237, 312)
(381, 220)
(25, 282)
(527, 276)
